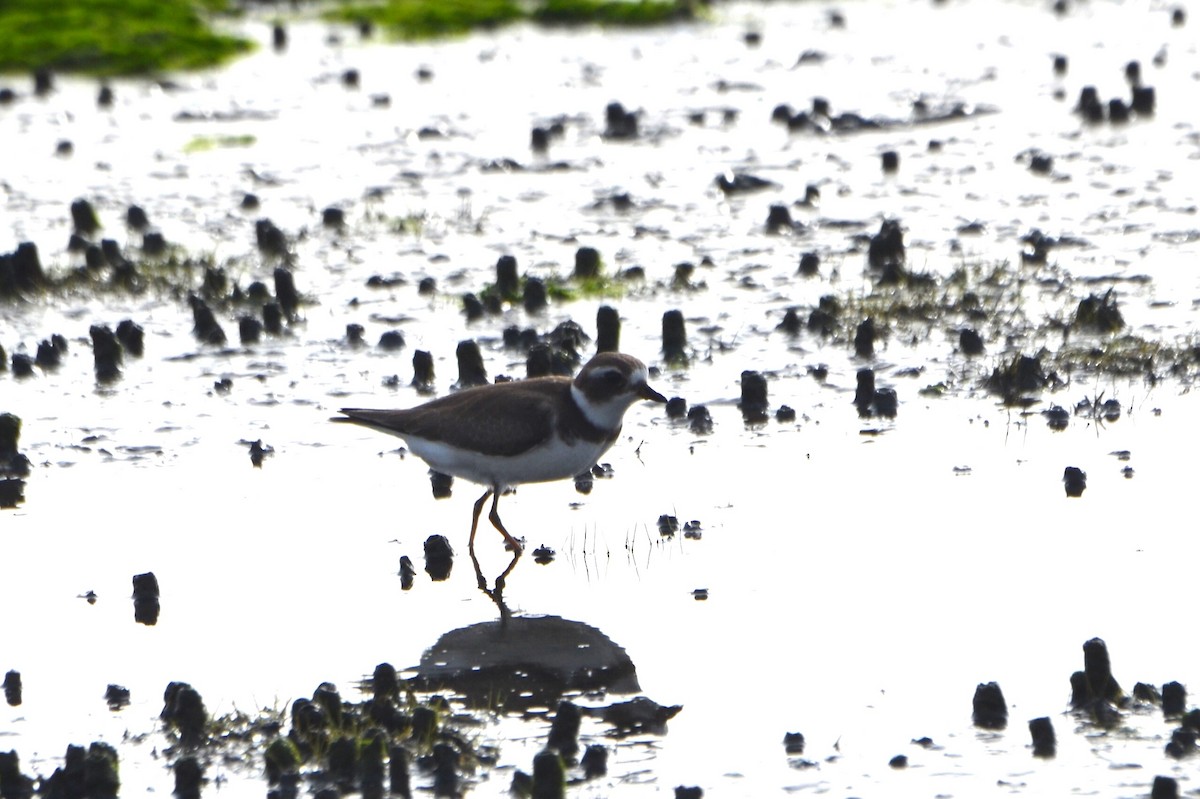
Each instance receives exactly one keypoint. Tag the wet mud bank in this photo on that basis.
(920, 302)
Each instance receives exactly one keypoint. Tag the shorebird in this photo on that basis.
(523, 431)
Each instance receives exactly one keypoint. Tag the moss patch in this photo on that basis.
(110, 37)
(422, 19)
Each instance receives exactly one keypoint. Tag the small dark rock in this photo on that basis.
(259, 453)
(439, 557)
(608, 329)
(810, 264)
(753, 404)
(423, 376)
(564, 730)
(106, 353)
(270, 239)
(594, 761)
(136, 218)
(154, 244)
(391, 341)
(619, 123)
(470, 365)
(184, 711)
(700, 421)
(12, 688)
(864, 338)
(779, 218)
(83, 218)
(989, 710)
(272, 313)
(970, 343)
(1041, 730)
(677, 408)
(887, 245)
(204, 322)
(333, 217)
(1074, 481)
(587, 263)
(1174, 699)
(22, 365)
(1143, 101)
(132, 337)
(441, 484)
(116, 696)
(249, 330)
(534, 297)
(1089, 105)
(674, 337)
(1164, 788)
(285, 292)
(145, 599)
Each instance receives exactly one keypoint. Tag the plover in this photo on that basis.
(524, 431)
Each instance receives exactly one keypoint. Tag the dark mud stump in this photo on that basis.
(608, 329)
(674, 337)
(535, 296)
(507, 279)
(594, 761)
(145, 599)
(423, 376)
(398, 772)
(989, 710)
(549, 776)
(106, 353)
(189, 777)
(564, 730)
(1041, 730)
(1097, 669)
(1164, 788)
(470, 365)
(101, 776)
(754, 403)
(587, 263)
(15, 784)
(12, 688)
(1174, 699)
(184, 711)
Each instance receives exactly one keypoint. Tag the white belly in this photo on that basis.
(553, 461)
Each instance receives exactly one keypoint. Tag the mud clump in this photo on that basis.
(1074, 481)
(471, 371)
(988, 708)
(1041, 730)
(12, 688)
(754, 404)
(145, 599)
(674, 338)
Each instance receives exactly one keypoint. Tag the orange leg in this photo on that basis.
(475, 516)
(494, 518)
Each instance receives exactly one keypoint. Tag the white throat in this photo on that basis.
(606, 415)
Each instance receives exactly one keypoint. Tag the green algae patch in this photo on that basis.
(426, 19)
(200, 144)
(612, 12)
(111, 37)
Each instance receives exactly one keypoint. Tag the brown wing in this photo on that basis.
(500, 419)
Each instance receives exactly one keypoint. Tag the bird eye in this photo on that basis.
(614, 378)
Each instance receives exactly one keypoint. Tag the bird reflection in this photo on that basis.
(496, 592)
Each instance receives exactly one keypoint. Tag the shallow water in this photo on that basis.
(863, 576)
